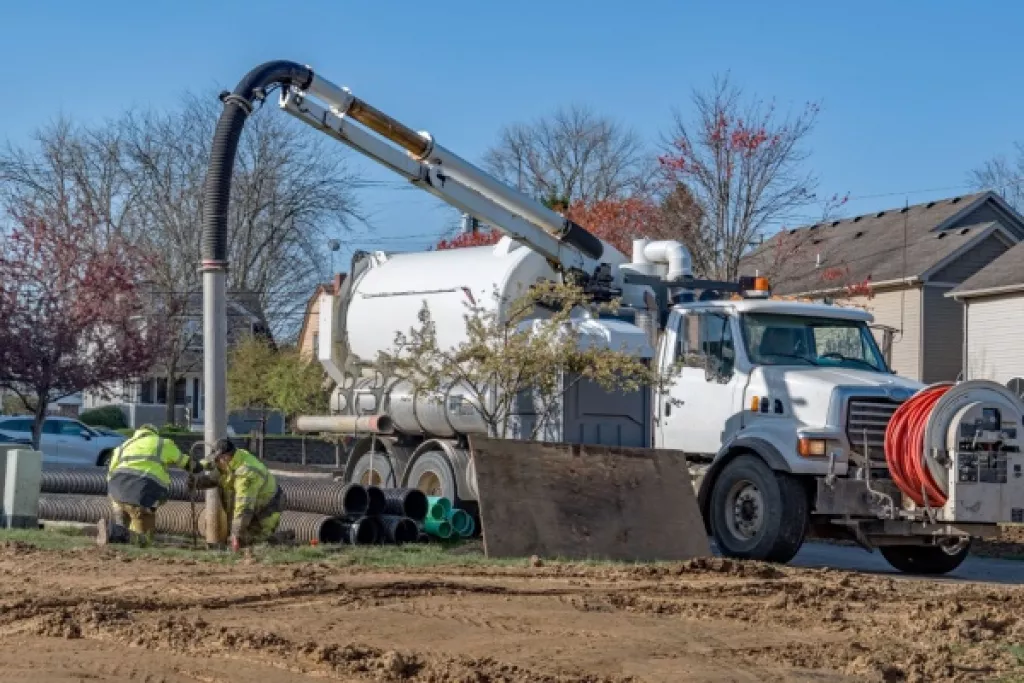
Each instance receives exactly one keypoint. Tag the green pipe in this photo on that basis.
(462, 523)
(439, 508)
(441, 528)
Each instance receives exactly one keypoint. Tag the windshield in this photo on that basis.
(777, 339)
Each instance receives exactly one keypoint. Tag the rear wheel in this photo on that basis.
(756, 513)
(433, 474)
(376, 470)
(930, 560)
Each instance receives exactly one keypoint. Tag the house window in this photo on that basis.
(316, 344)
(161, 391)
(192, 331)
(179, 392)
(146, 391)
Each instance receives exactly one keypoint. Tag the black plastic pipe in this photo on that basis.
(398, 530)
(323, 497)
(237, 107)
(407, 502)
(375, 501)
(361, 531)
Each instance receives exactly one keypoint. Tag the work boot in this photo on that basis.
(108, 532)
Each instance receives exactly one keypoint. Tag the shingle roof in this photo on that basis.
(870, 247)
(1005, 272)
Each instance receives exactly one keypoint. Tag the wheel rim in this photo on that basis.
(744, 510)
(430, 484)
(370, 478)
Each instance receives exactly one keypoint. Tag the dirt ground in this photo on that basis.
(88, 614)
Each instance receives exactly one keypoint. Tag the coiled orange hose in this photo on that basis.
(904, 448)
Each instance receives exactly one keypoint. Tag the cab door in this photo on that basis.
(701, 408)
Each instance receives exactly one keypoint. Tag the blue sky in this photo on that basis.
(914, 93)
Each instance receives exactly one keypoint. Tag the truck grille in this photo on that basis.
(870, 416)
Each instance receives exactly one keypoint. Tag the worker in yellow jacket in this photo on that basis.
(138, 483)
(249, 493)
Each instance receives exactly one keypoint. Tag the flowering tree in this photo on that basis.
(70, 306)
(743, 165)
(619, 221)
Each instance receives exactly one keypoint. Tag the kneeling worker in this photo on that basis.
(249, 493)
(138, 483)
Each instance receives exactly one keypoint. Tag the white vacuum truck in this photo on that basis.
(792, 422)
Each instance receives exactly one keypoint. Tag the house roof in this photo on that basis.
(1005, 274)
(823, 256)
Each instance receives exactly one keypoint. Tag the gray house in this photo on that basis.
(993, 309)
(899, 264)
(145, 399)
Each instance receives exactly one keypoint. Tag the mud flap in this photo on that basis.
(583, 501)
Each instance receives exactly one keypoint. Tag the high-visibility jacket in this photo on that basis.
(149, 455)
(248, 483)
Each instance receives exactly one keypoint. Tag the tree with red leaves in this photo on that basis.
(477, 238)
(742, 163)
(71, 308)
(618, 221)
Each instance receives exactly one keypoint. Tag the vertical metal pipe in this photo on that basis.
(215, 333)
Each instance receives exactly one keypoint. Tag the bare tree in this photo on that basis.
(571, 155)
(743, 166)
(142, 176)
(1004, 176)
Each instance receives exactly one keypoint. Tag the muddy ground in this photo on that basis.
(99, 615)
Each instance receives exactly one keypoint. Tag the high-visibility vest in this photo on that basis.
(248, 485)
(147, 454)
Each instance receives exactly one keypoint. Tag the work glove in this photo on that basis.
(240, 524)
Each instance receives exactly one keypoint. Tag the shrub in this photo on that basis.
(110, 417)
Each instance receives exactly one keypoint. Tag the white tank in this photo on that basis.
(390, 293)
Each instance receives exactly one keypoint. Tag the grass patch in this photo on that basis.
(469, 553)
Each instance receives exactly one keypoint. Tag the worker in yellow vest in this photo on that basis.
(138, 483)
(249, 493)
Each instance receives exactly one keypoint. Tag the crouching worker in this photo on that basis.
(250, 495)
(138, 483)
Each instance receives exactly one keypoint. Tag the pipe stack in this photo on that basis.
(326, 512)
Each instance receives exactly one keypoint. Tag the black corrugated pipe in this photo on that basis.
(361, 531)
(92, 481)
(308, 527)
(411, 503)
(175, 517)
(375, 501)
(323, 497)
(237, 107)
(398, 530)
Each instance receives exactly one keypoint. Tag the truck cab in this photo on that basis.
(766, 397)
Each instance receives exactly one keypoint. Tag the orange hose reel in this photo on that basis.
(904, 448)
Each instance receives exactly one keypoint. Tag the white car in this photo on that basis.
(65, 441)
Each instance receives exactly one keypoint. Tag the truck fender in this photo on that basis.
(738, 446)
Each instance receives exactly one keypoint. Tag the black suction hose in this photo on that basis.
(237, 107)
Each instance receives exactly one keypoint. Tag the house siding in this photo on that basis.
(310, 330)
(895, 309)
(941, 336)
(966, 265)
(994, 327)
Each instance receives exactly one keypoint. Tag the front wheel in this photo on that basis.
(756, 513)
(930, 560)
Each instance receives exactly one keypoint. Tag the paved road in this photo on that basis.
(985, 569)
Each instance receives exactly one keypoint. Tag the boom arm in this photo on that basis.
(447, 176)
